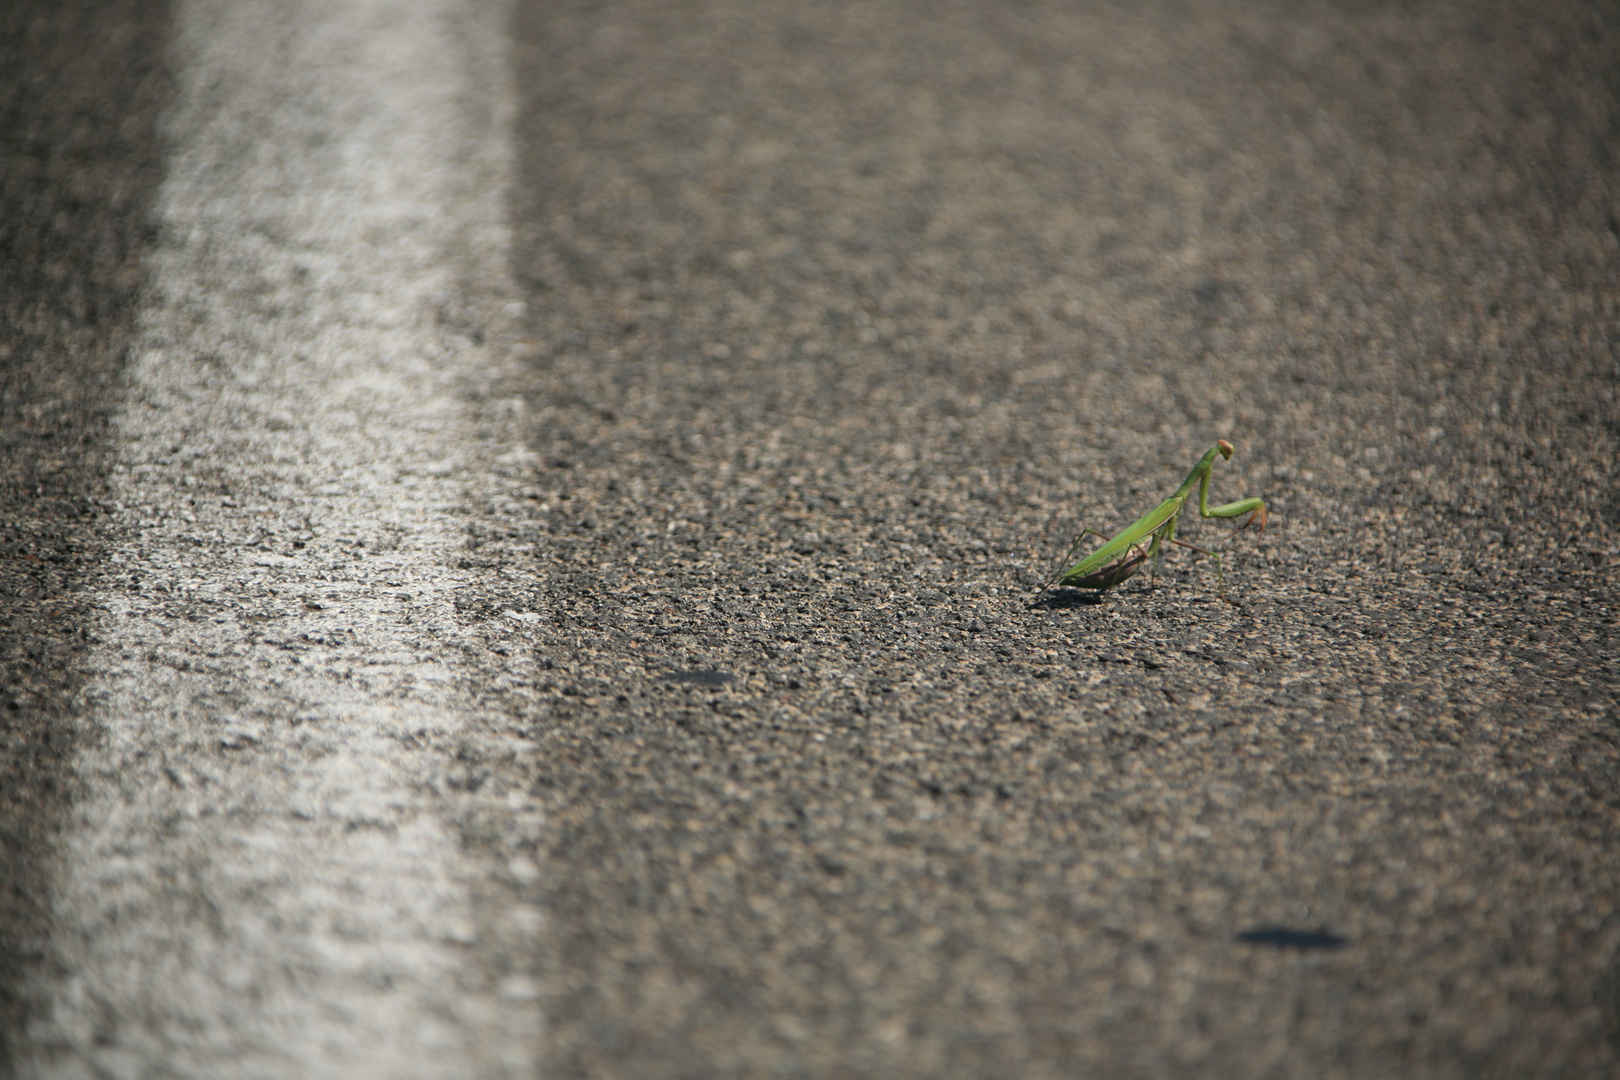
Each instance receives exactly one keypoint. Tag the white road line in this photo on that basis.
(261, 881)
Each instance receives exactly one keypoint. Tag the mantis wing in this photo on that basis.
(1145, 526)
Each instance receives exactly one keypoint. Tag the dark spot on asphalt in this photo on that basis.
(1281, 937)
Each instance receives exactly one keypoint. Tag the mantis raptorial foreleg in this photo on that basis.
(1121, 556)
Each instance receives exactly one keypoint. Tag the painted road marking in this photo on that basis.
(261, 880)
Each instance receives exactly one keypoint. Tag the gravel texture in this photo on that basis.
(719, 713)
(80, 85)
(845, 318)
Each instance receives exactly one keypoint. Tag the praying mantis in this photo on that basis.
(1122, 556)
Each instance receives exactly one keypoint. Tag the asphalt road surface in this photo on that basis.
(520, 529)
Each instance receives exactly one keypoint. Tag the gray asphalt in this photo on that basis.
(841, 321)
(80, 89)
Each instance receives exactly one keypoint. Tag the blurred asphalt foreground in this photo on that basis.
(846, 316)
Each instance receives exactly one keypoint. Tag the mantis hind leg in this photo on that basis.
(1078, 540)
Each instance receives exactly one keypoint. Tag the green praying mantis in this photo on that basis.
(1121, 557)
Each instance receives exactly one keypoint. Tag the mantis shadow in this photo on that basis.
(1065, 599)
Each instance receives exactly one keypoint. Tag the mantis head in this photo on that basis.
(1225, 448)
